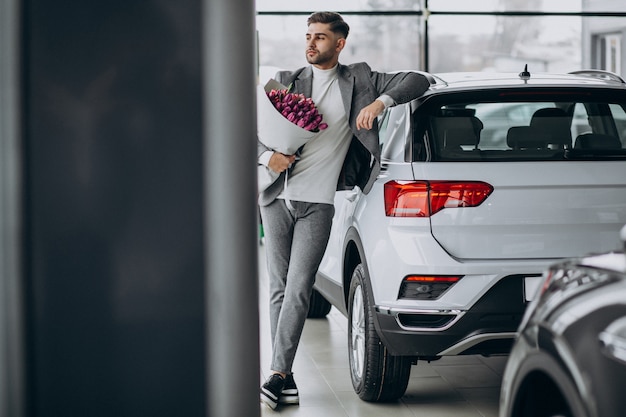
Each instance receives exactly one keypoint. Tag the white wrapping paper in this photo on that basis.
(276, 132)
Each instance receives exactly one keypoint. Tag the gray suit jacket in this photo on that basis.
(359, 87)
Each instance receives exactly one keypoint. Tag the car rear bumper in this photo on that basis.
(489, 327)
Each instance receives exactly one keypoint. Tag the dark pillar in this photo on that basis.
(113, 208)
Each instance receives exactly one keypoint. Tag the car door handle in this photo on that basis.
(613, 340)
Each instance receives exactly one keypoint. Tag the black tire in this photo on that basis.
(318, 306)
(376, 374)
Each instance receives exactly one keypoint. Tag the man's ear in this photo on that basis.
(341, 42)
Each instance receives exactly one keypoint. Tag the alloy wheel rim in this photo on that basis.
(358, 334)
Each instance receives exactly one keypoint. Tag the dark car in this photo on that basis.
(570, 356)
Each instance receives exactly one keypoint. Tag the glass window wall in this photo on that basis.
(454, 35)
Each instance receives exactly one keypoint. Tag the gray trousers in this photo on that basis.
(295, 241)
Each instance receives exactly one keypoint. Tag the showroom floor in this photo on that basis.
(465, 386)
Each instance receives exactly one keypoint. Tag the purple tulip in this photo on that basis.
(298, 109)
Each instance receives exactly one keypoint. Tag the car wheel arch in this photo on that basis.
(354, 255)
(541, 373)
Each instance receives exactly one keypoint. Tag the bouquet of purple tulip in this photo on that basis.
(298, 109)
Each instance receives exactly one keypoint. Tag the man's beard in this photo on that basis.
(320, 58)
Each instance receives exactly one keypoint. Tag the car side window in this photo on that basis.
(395, 132)
(383, 124)
(580, 124)
(619, 116)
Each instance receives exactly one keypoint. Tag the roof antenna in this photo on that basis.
(525, 75)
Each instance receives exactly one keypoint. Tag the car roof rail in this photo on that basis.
(602, 74)
(432, 79)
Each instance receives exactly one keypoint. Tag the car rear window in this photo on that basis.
(534, 128)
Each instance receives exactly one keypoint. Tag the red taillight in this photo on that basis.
(425, 198)
(434, 278)
(426, 287)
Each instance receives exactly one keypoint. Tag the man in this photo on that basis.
(297, 209)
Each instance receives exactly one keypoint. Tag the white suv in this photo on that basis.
(472, 204)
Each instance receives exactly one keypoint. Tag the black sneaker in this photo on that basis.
(270, 391)
(290, 392)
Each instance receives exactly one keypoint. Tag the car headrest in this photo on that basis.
(527, 137)
(597, 141)
(555, 122)
(454, 138)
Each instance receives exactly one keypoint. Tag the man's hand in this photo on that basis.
(280, 162)
(367, 115)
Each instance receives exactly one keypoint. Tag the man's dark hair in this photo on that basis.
(336, 22)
